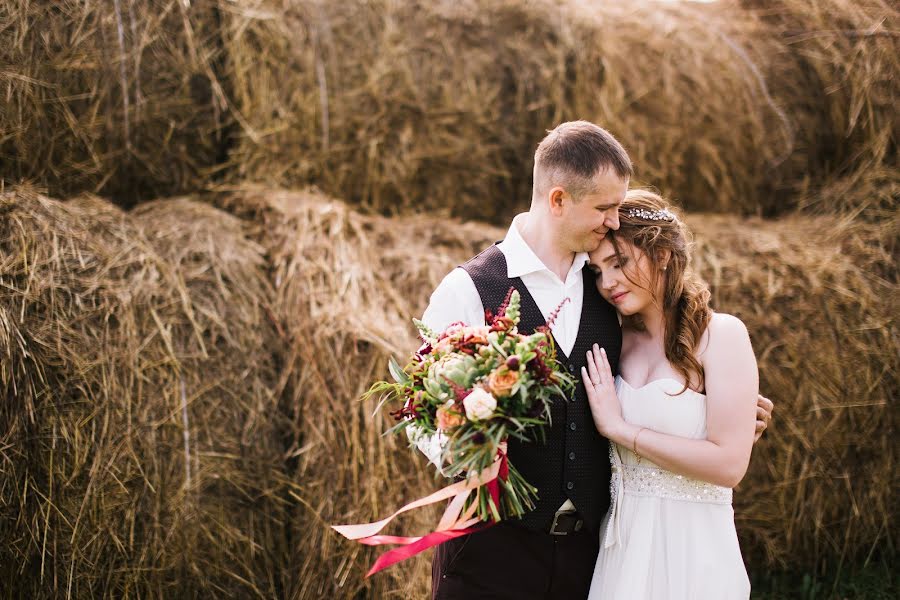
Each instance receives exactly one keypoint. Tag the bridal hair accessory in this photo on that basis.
(651, 215)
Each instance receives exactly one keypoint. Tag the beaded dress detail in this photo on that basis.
(666, 536)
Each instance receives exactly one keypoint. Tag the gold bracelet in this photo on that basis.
(634, 444)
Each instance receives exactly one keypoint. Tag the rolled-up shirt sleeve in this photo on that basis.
(456, 299)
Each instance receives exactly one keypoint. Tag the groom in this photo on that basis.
(581, 174)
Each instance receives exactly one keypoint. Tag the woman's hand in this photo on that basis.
(601, 390)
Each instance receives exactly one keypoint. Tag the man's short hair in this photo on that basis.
(573, 153)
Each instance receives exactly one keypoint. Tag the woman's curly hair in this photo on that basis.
(685, 300)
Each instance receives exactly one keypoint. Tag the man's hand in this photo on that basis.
(764, 408)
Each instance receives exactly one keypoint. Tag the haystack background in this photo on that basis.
(180, 379)
(396, 106)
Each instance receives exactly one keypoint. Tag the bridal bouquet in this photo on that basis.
(474, 387)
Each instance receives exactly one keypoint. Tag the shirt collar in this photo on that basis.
(521, 259)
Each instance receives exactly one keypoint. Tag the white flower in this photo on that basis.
(479, 405)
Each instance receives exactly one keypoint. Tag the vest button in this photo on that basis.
(571, 456)
(570, 485)
(572, 425)
(572, 369)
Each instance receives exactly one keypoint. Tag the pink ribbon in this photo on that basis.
(453, 524)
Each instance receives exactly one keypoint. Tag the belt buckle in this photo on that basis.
(553, 530)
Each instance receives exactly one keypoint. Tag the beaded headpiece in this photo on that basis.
(651, 215)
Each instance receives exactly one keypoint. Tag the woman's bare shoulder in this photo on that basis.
(722, 331)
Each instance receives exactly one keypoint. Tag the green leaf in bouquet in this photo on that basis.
(397, 428)
(495, 511)
(397, 371)
(516, 422)
(527, 356)
(497, 345)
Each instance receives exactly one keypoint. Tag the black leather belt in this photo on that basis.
(566, 522)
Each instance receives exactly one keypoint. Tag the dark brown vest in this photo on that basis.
(574, 461)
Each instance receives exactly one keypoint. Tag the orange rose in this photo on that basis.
(448, 418)
(478, 335)
(502, 381)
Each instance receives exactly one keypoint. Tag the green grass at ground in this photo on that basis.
(873, 582)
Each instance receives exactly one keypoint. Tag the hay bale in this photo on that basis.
(751, 107)
(118, 98)
(346, 288)
(437, 107)
(142, 445)
(819, 297)
(836, 66)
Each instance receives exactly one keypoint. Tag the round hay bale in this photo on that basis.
(346, 289)
(836, 64)
(119, 98)
(750, 107)
(142, 443)
(438, 107)
(819, 297)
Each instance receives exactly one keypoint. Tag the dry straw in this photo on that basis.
(402, 106)
(116, 97)
(140, 441)
(346, 289)
(836, 71)
(749, 107)
(182, 389)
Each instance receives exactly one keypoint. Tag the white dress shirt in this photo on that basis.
(457, 299)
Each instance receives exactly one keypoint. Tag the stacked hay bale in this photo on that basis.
(437, 107)
(346, 289)
(117, 98)
(142, 445)
(836, 70)
(754, 107)
(819, 297)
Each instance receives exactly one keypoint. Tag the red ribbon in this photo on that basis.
(452, 524)
(418, 545)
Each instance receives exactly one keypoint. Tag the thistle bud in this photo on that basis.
(512, 363)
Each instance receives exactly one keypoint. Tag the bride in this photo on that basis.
(679, 417)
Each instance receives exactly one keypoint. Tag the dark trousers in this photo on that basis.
(509, 561)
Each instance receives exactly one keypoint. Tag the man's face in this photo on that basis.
(585, 223)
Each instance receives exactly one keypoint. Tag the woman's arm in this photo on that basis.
(732, 384)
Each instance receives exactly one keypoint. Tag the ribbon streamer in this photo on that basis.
(452, 524)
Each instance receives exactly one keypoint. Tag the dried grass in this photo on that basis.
(438, 107)
(140, 441)
(118, 98)
(836, 66)
(819, 297)
(346, 288)
(750, 107)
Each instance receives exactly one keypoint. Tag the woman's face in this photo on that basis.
(626, 284)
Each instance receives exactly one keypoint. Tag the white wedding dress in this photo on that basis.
(666, 536)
